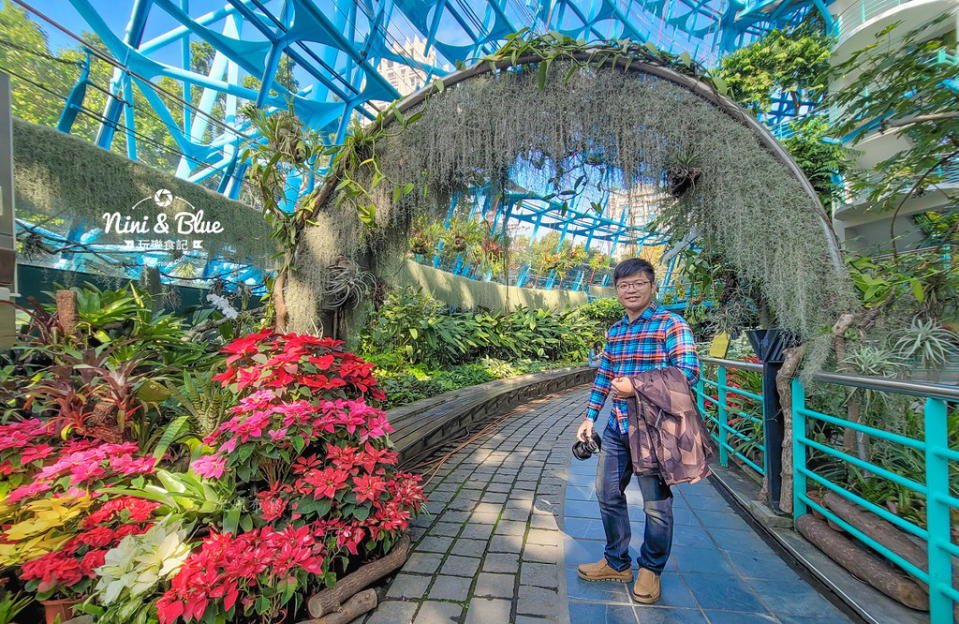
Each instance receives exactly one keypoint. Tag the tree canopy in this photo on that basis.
(794, 63)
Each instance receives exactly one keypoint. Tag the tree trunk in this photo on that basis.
(279, 301)
(329, 600)
(792, 358)
(863, 564)
(67, 311)
(852, 406)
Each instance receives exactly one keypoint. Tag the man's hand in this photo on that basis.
(585, 431)
(622, 387)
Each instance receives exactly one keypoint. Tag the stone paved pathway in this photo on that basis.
(512, 514)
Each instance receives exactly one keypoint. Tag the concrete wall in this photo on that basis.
(470, 294)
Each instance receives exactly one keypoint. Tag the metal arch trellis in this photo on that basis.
(339, 49)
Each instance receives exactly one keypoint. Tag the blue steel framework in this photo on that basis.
(338, 46)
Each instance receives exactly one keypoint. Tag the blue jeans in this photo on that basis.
(612, 476)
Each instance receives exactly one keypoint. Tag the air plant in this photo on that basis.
(925, 342)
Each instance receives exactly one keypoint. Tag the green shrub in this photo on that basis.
(462, 376)
(414, 326)
(605, 311)
(405, 385)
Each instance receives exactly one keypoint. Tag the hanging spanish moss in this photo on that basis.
(63, 182)
(625, 129)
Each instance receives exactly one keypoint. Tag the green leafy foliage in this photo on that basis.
(819, 156)
(11, 604)
(404, 383)
(923, 282)
(793, 63)
(414, 324)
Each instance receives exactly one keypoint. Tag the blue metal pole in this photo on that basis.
(128, 119)
(75, 99)
(722, 416)
(186, 57)
(799, 448)
(937, 511)
(132, 38)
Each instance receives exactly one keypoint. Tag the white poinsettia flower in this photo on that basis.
(136, 565)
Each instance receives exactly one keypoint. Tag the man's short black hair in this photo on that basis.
(633, 266)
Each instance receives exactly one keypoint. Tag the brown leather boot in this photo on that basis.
(601, 571)
(646, 589)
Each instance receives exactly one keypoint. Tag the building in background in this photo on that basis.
(858, 21)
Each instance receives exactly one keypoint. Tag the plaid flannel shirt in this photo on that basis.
(656, 339)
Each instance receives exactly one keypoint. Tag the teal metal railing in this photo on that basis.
(861, 12)
(731, 441)
(933, 484)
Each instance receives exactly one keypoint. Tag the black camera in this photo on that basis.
(585, 450)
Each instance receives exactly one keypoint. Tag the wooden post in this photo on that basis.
(791, 358)
(67, 311)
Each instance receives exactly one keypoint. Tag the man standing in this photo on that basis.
(646, 338)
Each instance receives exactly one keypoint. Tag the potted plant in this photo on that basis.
(64, 576)
(53, 529)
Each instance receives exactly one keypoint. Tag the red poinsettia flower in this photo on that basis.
(326, 482)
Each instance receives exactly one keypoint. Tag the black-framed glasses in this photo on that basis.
(626, 286)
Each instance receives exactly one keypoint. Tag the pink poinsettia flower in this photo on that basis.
(209, 466)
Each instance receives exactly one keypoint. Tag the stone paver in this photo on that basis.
(487, 610)
(449, 588)
(501, 562)
(409, 586)
(460, 566)
(513, 513)
(719, 570)
(495, 585)
(433, 612)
